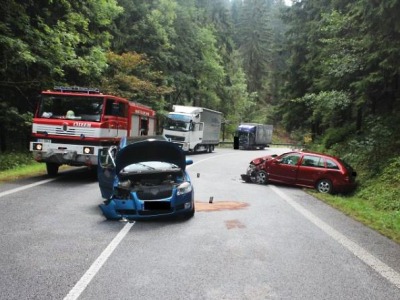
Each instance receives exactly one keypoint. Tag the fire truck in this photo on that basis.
(71, 124)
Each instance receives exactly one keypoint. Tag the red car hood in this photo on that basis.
(262, 159)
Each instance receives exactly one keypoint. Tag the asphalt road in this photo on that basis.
(251, 242)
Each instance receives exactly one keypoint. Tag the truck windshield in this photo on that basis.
(244, 136)
(178, 122)
(70, 107)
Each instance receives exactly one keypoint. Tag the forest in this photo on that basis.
(325, 71)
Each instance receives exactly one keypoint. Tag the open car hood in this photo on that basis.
(150, 150)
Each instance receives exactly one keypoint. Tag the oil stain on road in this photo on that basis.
(220, 205)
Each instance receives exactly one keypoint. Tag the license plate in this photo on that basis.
(157, 205)
(43, 141)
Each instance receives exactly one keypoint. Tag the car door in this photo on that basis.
(311, 169)
(106, 171)
(284, 168)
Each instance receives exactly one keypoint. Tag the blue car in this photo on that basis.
(143, 178)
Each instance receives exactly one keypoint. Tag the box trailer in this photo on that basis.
(195, 129)
(254, 136)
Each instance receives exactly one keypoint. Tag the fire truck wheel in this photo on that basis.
(52, 169)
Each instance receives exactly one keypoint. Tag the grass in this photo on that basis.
(20, 165)
(387, 222)
(23, 171)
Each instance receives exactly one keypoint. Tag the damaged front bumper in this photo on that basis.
(64, 157)
(251, 174)
(136, 209)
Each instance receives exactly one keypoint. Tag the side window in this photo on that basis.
(290, 159)
(118, 109)
(109, 107)
(330, 164)
(123, 109)
(312, 161)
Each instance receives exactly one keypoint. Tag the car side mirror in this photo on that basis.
(107, 157)
(189, 161)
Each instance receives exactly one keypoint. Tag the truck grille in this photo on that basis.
(70, 131)
(175, 138)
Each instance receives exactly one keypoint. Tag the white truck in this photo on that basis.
(195, 129)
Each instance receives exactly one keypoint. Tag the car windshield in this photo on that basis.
(70, 107)
(177, 122)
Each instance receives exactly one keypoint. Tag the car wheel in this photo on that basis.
(262, 177)
(324, 186)
(52, 169)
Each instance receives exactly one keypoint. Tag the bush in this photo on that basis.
(386, 186)
(14, 160)
(335, 136)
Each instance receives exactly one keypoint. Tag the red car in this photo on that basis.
(325, 173)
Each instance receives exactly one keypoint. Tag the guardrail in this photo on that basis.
(288, 145)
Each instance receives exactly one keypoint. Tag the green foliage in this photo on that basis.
(335, 136)
(371, 149)
(130, 75)
(327, 107)
(12, 160)
(59, 37)
(255, 42)
(386, 185)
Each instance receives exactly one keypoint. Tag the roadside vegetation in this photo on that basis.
(374, 155)
(19, 165)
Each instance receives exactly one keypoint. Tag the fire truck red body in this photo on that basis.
(71, 124)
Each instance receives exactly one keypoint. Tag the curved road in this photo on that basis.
(251, 242)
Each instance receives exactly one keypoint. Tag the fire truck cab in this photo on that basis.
(72, 124)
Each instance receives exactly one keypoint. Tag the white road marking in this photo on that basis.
(2, 194)
(376, 264)
(81, 285)
(208, 158)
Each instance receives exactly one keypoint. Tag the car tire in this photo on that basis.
(52, 169)
(262, 177)
(324, 186)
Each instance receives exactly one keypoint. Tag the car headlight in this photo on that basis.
(251, 168)
(184, 188)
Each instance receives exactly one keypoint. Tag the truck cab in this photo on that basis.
(194, 129)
